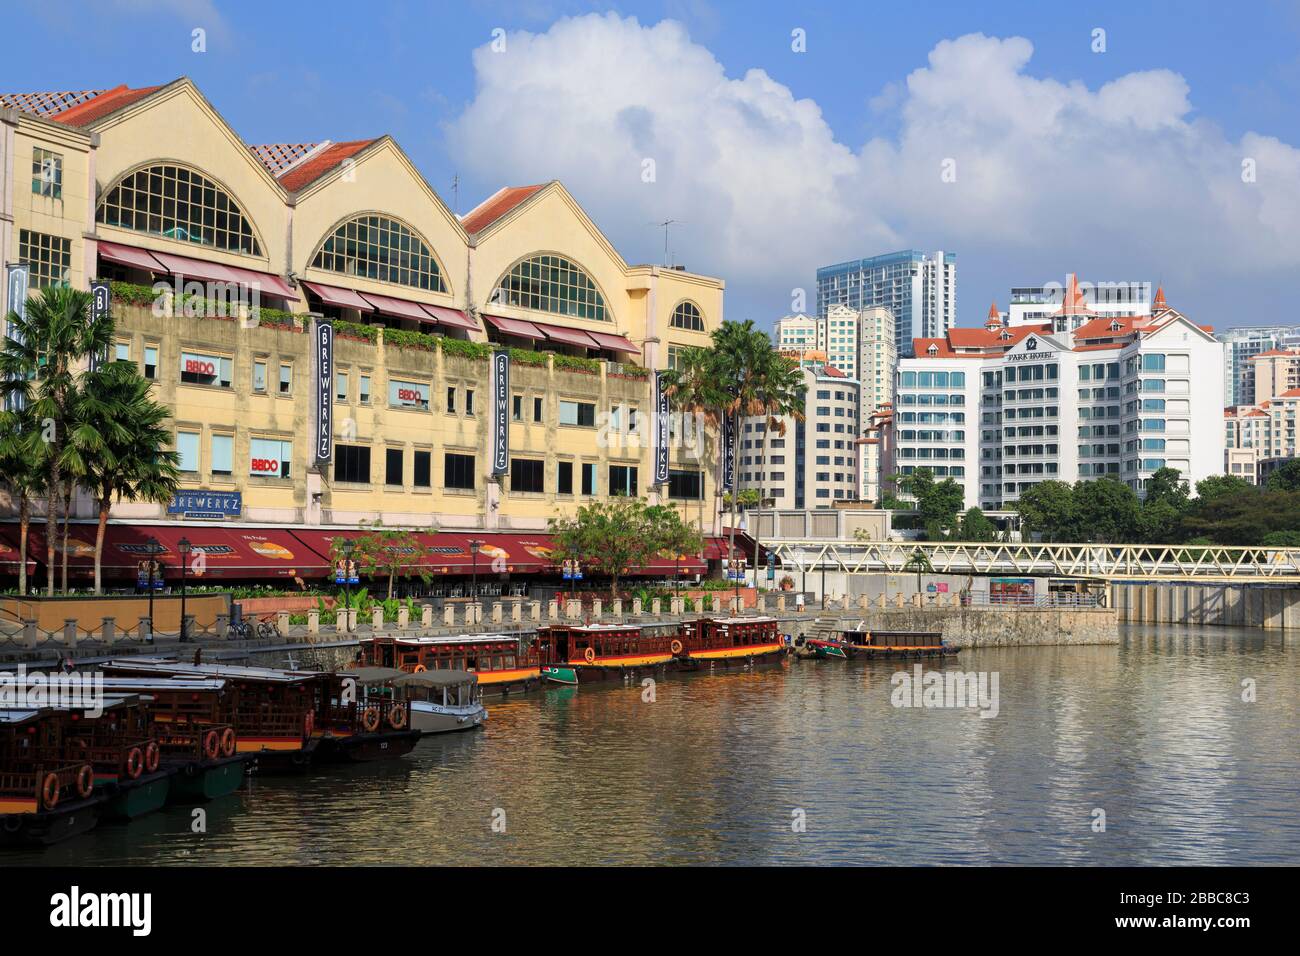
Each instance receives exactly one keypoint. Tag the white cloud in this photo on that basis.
(1048, 173)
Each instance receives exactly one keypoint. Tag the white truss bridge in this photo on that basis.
(1104, 562)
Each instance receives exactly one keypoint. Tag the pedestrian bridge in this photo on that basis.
(1102, 562)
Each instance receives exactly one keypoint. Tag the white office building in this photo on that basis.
(1080, 396)
(1034, 305)
(1239, 347)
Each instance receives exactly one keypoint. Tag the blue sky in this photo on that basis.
(1124, 164)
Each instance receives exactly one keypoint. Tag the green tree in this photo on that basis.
(1244, 519)
(1217, 486)
(1162, 511)
(1105, 510)
(937, 503)
(693, 390)
(919, 562)
(975, 526)
(1285, 478)
(611, 536)
(1281, 539)
(20, 474)
(118, 445)
(676, 538)
(391, 552)
(1047, 509)
(41, 363)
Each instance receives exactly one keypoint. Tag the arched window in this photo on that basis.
(383, 249)
(687, 316)
(179, 203)
(553, 284)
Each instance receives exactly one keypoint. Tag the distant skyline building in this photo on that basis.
(918, 288)
(1240, 345)
(1033, 305)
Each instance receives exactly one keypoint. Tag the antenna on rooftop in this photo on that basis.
(455, 193)
(664, 225)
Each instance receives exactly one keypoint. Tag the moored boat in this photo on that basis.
(580, 653)
(44, 797)
(731, 642)
(120, 745)
(440, 701)
(503, 663)
(861, 643)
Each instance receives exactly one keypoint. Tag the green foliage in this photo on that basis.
(389, 552)
(189, 304)
(1217, 486)
(1047, 509)
(356, 330)
(1285, 478)
(974, 526)
(937, 503)
(1243, 519)
(1281, 539)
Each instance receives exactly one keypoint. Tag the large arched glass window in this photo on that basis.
(687, 316)
(383, 249)
(181, 204)
(553, 284)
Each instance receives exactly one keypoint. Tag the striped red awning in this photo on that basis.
(339, 298)
(516, 327)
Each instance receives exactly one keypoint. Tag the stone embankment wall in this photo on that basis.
(1271, 608)
(992, 627)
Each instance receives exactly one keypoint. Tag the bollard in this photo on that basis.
(108, 632)
(733, 604)
(403, 616)
(617, 608)
(282, 622)
(29, 633)
(636, 607)
(352, 620)
(862, 601)
(70, 631)
(573, 609)
(449, 615)
(145, 631)
(780, 602)
(223, 626)
(516, 612)
(496, 613)
(916, 600)
(426, 615)
(553, 610)
(655, 606)
(313, 621)
(717, 603)
(760, 604)
(535, 611)
(596, 608)
(377, 619)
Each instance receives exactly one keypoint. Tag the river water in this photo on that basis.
(810, 762)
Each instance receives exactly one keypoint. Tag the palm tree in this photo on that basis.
(921, 564)
(118, 445)
(40, 363)
(780, 394)
(17, 454)
(692, 388)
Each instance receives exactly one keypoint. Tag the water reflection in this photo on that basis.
(1153, 732)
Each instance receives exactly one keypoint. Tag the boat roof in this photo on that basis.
(162, 665)
(456, 639)
(438, 678)
(743, 620)
(587, 628)
(14, 715)
(145, 685)
(371, 675)
(18, 715)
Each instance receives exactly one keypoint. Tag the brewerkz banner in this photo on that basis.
(16, 280)
(661, 429)
(500, 412)
(99, 306)
(728, 453)
(324, 391)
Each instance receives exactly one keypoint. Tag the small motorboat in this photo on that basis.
(439, 701)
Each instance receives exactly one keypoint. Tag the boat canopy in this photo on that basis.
(372, 675)
(438, 678)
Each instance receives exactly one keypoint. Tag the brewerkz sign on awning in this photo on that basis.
(206, 504)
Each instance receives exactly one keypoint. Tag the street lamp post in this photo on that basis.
(347, 548)
(474, 545)
(184, 547)
(154, 549)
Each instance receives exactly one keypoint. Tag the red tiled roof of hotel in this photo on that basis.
(97, 107)
(832, 372)
(276, 156)
(47, 104)
(1290, 393)
(1098, 346)
(497, 205)
(1159, 302)
(1101, 328)
(1074, 302)
(1294, 353)
(313, 168)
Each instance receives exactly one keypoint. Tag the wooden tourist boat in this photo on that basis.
(121, 746)
(44, 796)
(860, 643)
(825, 649)
(191, 727)
(731, 642)
(290, 719)
(577, 653)
(440, 701)
(502, 662)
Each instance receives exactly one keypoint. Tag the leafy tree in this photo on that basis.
(676, 538)
(693, 389)
(1281, 539)
(1285, 478)
(975, 526)
(1218, 486)
(392, 552)
(919, 562)
(937, 502)
(1047, 508)
(611, 536)
(1106, 510)
(1163, 508)
(1244, 519)
(20, 474)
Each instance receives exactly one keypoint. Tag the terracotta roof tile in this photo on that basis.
(47, 104)
(497, 205)
(276, 156)
(97, 107)
(313, 168)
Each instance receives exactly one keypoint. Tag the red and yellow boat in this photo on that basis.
(574, 653)
(502, 662)
(731, 642)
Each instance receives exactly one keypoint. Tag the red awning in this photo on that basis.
(9, 550)
(453, 317)
(234, 553)
(402, 308)
(569, 336)
(518, 327)
(615, 343)
(129, 256)
(341, 298)
(215, 272)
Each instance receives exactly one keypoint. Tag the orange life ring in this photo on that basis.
(134, 763)
(675, 646)
(397, 716)
(308, 724)
(211, 744)
(419, 669)
(50, 791)
(152, 756)
(85, 781)
(589, 655)
(228, 742)
(370, 719)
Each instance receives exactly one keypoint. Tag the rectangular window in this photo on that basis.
(687, 484)
(259, 376)
(270, 458)
(564, 478)
(340, 386)
(408, 394)
(469, 401)
(577, 413)
(526, 474)
(451, 399)
(363, 391)
(122, 351)
(47, 173)
(537, 409)
(622, 480)
(352, 463)
(187, 449)
(223, 454)
(151, 361)
(458, 471)
(588, 478)
(286, 379)
(199, 369)
(423, 468)
(393, 466)
(517, 408)
(49, 258)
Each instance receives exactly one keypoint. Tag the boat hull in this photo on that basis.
(727, 657)
(209, 781)
(363, 748)
(446, 719)
(135, 798)
(51, 826)
(521, 680)
(616, 669)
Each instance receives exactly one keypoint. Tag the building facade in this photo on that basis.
(1033, 305)
(1001, 409)
(1273, 372)
(919, 290)
(225, 256)
(1239, 347)
(1259, 437)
